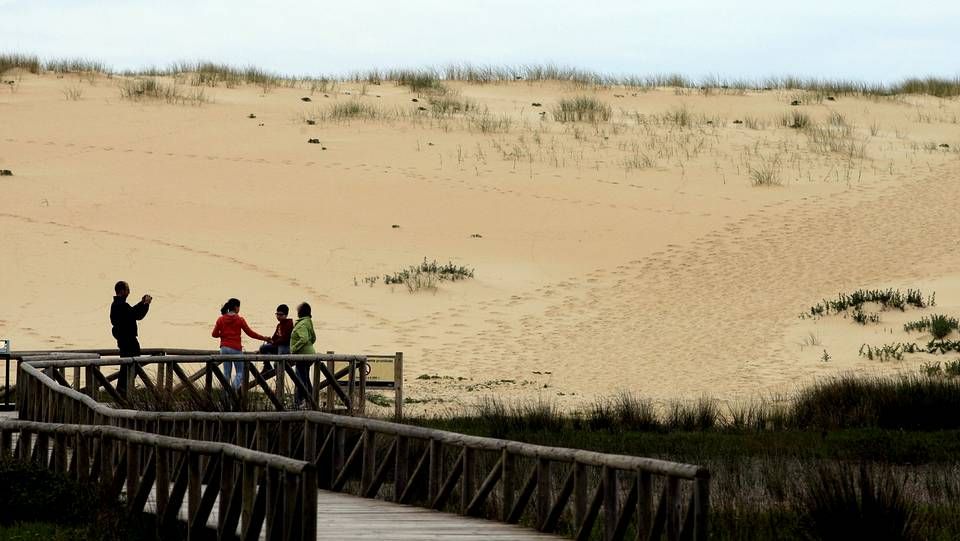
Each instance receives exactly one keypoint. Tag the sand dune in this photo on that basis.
(634, 253)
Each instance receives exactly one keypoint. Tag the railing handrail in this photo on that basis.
(559, 454)
(259, 458)
(45, 361)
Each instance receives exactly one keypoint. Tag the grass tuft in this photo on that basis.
(581, 109)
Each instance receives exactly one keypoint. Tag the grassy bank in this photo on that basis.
(848, 458)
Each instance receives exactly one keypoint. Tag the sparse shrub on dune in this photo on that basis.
(939, 325)
(76, 65)
(26, 62)
(582, 109)
(418, 80)
(797, 120)
(450, 104)
(353, 109)
(427, 275)
(766, 172)
(155, 89)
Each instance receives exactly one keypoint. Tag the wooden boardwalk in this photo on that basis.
(341, 516)
(351, 518)
(354, 477)
(348, 518)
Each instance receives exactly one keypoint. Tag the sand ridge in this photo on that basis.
(674, 281)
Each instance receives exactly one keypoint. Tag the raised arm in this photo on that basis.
(139, 310)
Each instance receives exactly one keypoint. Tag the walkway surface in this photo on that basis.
(351, 518)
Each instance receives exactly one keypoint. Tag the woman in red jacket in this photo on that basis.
(228, 329)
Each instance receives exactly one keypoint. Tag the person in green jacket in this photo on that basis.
(301, 343)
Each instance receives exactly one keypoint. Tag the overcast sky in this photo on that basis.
(876, 40)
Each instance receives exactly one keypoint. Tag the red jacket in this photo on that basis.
(228, 329)
(281, 337)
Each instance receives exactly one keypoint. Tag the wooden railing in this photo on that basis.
(182, 480)
(578, 493)
(162, 376)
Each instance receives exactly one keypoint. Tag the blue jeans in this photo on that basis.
(271, 349)
(229, 366)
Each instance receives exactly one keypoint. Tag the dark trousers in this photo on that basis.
(303, 372)
(129, 347)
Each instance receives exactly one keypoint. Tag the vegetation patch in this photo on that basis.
(582, 109)
(154, 89)
(939, 326)
(428, 274)
(886, 298)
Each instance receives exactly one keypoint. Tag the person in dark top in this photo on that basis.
(280, 341)
(124, 319)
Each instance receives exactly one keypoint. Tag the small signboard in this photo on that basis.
(4, 346)
(380, 371)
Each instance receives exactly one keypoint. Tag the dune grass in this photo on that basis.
(156, 89)
(582, 109)
(28, 62)
(431, 79)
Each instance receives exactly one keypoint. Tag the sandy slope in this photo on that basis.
(675, 280)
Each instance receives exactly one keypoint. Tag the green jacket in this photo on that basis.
(303, 337)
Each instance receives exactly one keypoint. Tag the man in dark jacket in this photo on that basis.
(124, 319)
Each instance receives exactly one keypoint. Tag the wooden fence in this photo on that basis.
(255, 492)
(161, 377)
(578, 493)
(342, 378)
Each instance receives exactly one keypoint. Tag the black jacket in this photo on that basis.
(124, 317)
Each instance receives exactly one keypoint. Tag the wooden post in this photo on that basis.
(133, 469)
(308, 485)
(401, 467)
(273, 498)
(91, 382)
(368, 465)
(352, 388)
(284, 429)
(544, 491)
(362, 391)
(227, 469)
(610, 511)
(507, 482)
(309, 442)
(279, 380)
(76, 378)
(249, 496)
(673, 508)
(331, 394)
(163, 481)
(701, 508)
(398, 386)
(644, 503)
(467, 481)
(82, 449)
(435, 473)
(580, 494)
(194, 475)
